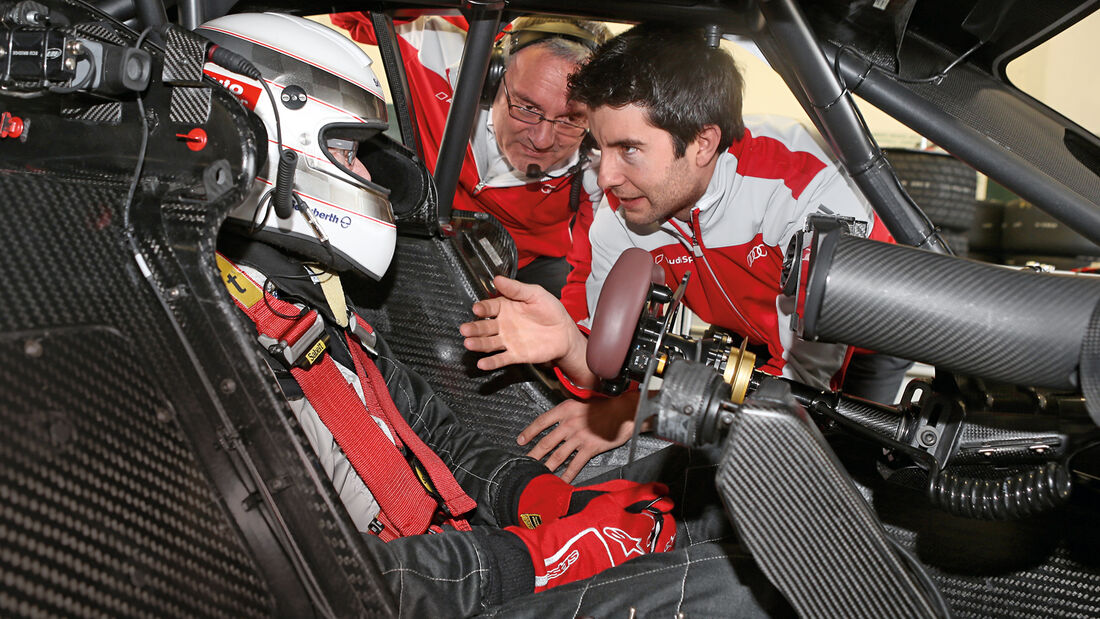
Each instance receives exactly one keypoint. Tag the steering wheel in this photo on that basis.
(618, 309)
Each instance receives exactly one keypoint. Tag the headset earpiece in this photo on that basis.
(495, 73)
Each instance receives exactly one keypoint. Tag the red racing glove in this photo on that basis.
(546, 498)
(613, 528)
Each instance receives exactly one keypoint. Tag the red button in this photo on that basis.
(10, 126)
(196, 139)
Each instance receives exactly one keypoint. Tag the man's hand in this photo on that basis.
(611, 529)
(528, 325)
(587, 428)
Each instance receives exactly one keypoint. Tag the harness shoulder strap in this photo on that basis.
(408, 503)
(455, 500)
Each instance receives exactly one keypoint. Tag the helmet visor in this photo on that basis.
(340, 144)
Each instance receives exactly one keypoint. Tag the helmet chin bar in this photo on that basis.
(709, 383)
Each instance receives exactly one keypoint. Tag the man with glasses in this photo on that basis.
(702, 189)
(525, 164)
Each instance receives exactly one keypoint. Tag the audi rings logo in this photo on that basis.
(755, 253)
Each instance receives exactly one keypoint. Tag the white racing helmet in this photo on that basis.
(329, 99)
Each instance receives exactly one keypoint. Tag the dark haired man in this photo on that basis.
(700, 189)
(524, 155)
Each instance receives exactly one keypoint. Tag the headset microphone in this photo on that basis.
(534, 171)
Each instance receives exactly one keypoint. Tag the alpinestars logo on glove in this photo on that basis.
(558, 564)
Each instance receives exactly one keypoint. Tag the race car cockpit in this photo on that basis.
(152, 466)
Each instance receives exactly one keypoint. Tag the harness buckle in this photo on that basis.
(376, 526)
(362, 332)
(306, 350)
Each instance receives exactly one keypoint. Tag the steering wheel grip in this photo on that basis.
(618, 309)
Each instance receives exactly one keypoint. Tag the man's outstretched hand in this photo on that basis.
(526, 324)
(587, 428)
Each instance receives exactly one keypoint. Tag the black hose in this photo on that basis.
(284, 184)
(1027, 493)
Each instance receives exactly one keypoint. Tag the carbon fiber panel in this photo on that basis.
(1039, 592)
(110, 112)
(1005, 116)
(1015, 326)
(867, 414)
(100, 488)
(184, 59)
(150, 468)
(190, 106)
(65, 263)
(806, 524)
(418, 308)
(43, 286)
(183, 62)
(100, 485)
(1005, 134)
(103, 31)
(985, 434)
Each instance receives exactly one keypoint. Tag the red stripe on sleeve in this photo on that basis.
(763, 157)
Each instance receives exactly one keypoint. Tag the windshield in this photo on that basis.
(1059, 73)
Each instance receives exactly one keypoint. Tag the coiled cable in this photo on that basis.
(284, 184)
(1026, 493)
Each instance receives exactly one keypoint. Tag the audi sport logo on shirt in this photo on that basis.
(755, 253)
(247, 93)
(663, 259)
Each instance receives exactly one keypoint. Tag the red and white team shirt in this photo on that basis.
(536, 214)
(761, 192)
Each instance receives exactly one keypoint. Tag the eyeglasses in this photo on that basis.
(346, 148)
(531, 117)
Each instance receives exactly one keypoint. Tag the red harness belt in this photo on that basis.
(409, 493)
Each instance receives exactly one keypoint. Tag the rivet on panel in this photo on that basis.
(33, 348)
